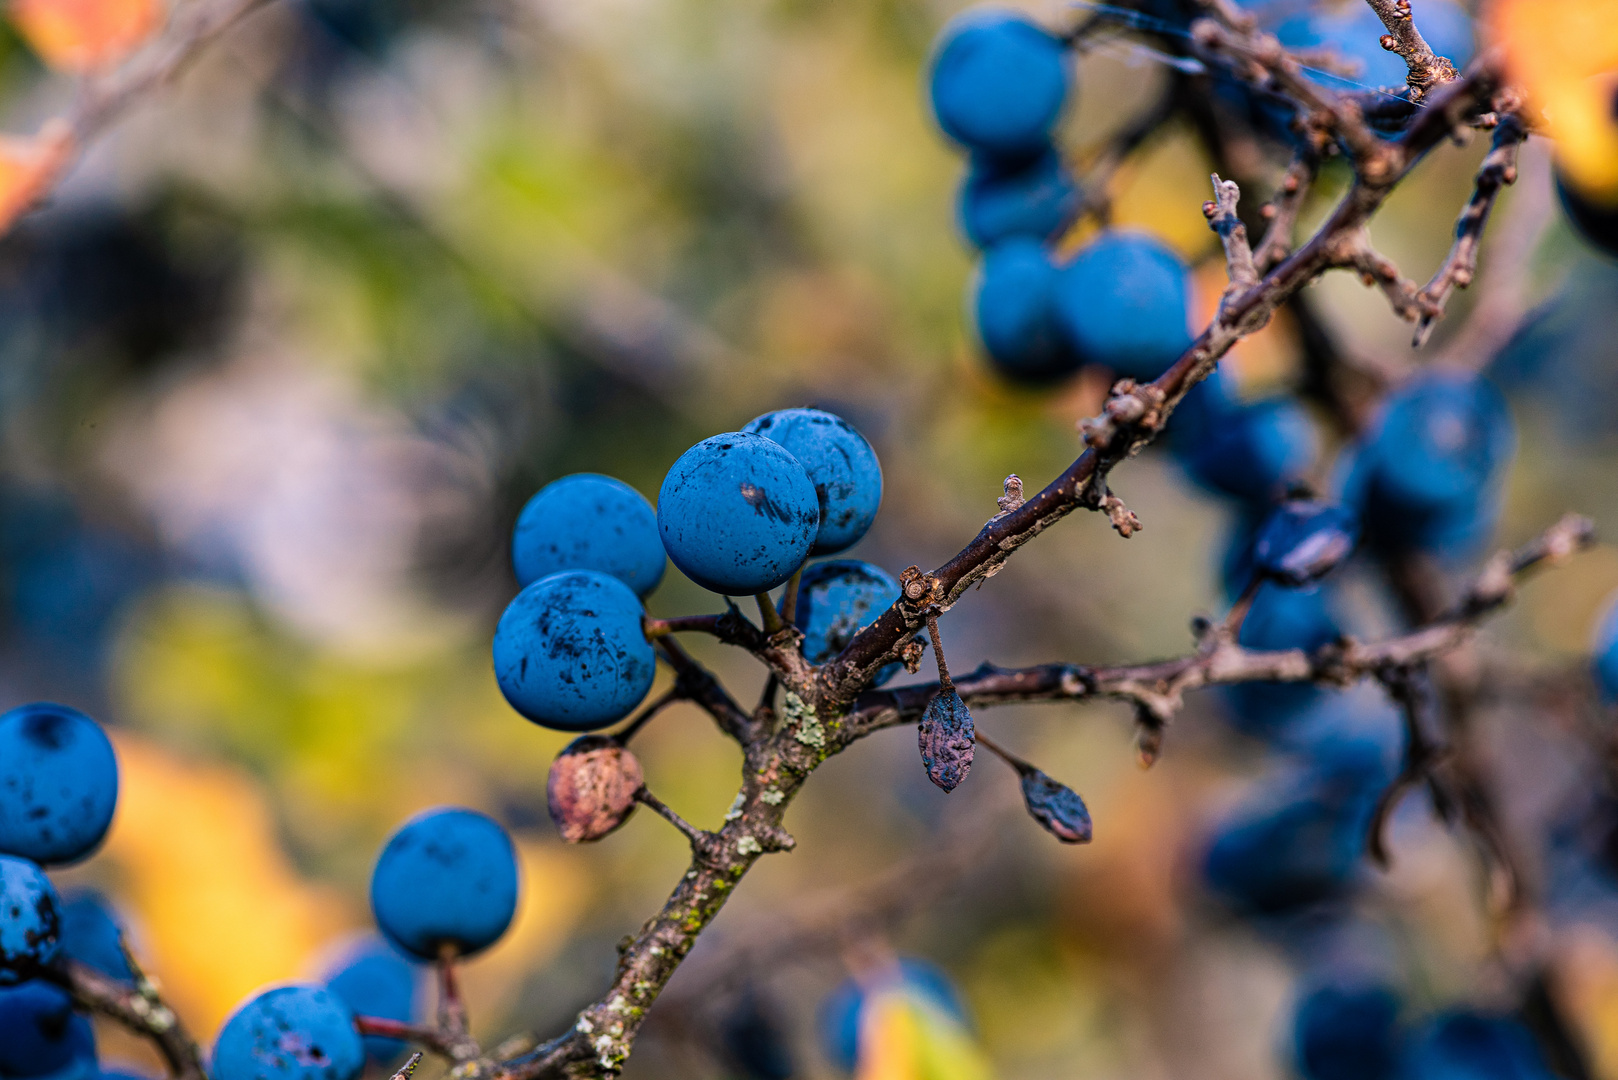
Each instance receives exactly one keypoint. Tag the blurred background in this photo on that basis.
(283, 358)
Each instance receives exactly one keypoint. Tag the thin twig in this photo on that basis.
(1426, 68)
(140, 1010)
(698, 837)
(430, 1038)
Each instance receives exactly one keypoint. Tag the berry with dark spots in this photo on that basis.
(290, 1033)
(1124, 303)
(58, 783)
(998, 83)
(570, 653)
(841, 465)
(448, 877)
(41, 1035)
(836, 600)
(373, 979)
(738, 513)
(91, 934)
(589, 522)
(30, 920)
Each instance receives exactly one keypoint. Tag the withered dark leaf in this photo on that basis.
(947, 740)
(591, 788)
(1056, 807)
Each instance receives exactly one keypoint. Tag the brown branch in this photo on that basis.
(1136, 413)
(1427, 69)
(138, 1007)
(1160, 687)
(1499, 169)
(1283, 211)
(698, 685)
(1224, 221)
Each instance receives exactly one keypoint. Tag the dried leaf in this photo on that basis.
(947, 739)
(1056, 807)
(29, 167)
(591, 788)
(82, 35)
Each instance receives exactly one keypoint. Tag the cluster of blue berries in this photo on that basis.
(998, 86)
(58, 790)
(738, 514)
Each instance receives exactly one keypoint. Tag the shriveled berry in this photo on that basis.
(591, 788)
(947, 740)
(1056, 807)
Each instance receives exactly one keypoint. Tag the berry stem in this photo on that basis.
(1023, 768)
(1244, 602)
(944, 682)
(408, 1069)
(396, 1029)
(657, 705)
(697, 836)
(789, 598)
(767, 612)
(451, 1009)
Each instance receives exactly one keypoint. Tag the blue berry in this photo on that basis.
(447, 878)
(1348, 1033)
(1473, 1046)
(1014, 310)
(1594, 219)
(839, 1019)
(58, 783)
(1304, 540)
(1000, 200)
(738, 513)
(92, 936)
(1123, 303)
(838, 599)
(30, 920)
(42, 1035)
(998, 83)
(290, 1033)
(570, 654)
(1280, 618)
(1427, 476)
(841, 465)
(589, 522)
(374, 980)
(1302, 845)
(1249, 451)
(1605, 650)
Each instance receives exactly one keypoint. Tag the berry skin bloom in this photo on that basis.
(448, 877)
(589, 522)
(841, 465)
(998, 83)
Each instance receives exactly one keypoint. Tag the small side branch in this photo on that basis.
(700, 838)
(383, 1028)
(697, 684)
(1427, 69)
(1498, 170)
(1223, 219)
(1283, 212)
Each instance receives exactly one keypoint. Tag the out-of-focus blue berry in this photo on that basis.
(570, 653)
(1348, 1033)
(1000, 199)
(841, 465)
(447, 877)
(839, 1019)
(1474, 1046)
(1280, 618)
(1596, 222)
(1123, 303)
(998, 83)
(92, 935)
(1304, 540)
(30, 920)
(738, 513)
(375, 980)
(58, 783)
(1354, 33)
(754, 1043)
(1302, 845)
(589, 522)
(1014, 310)
(290, 1033)
(42, 1035)
(1604, 650)
(836, 600)
(1427, 476)
(1254, 451)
